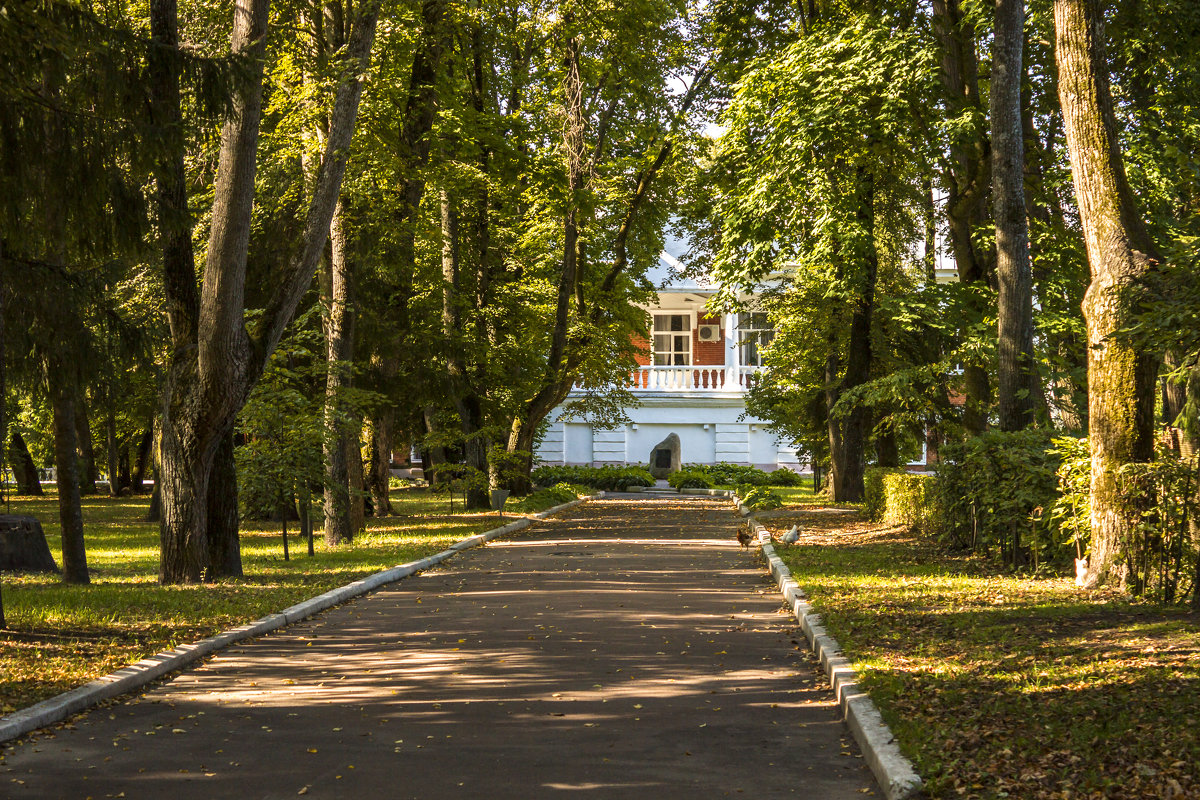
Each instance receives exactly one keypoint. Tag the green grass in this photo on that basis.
(793, 495)
(61, 636)
(1003, 685)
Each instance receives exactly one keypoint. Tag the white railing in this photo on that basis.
(692, 379)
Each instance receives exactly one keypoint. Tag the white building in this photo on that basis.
(692, 382)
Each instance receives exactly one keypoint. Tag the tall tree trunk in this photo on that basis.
(1120, 254)
(339, 343)
(144, 458)
(113, 453)
(28, 481)
(355, 478)
(1017, 389)
(214, 363)
(66, 462)
(852, 437)
(88, 475)
(379, 473)
(224, 546)
(967, 178)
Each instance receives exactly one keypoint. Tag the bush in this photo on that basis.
(874, 499)
(543, 499)
(759, 497)
(689, 479)
(990, 494)
(784, 477)
(607, 478)
(726, 474)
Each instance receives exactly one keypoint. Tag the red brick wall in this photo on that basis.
(708, 354)
(643, 346)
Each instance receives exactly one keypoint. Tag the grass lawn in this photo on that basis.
(1000, 685)
(62, 636)
(795, 495)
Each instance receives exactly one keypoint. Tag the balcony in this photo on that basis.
(692, 379)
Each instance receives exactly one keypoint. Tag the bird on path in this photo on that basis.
(792, 536)
(743, 537)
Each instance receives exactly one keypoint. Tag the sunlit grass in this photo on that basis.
(1007, 685)
(61, 636)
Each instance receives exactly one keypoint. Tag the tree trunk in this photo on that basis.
(70, 514)
(887, 453)
(88, 474)
(214, 363)
(967, 178)
(354, 474)
(379, 472)
(1017, 389)
(224, 546)
(28, 482)
(113, 453)
(851, 438)
(339, 343)
(144, 457)
(1120, 254)
(3, 404)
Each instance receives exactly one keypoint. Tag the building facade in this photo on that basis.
(692, 379)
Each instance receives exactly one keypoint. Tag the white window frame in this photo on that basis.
(673, 355)
(754, 338)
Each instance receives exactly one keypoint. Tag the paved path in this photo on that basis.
(626, 650)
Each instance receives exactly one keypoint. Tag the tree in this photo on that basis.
(1120, 379)
(216, 357)
(1017, 386)
(823, 182)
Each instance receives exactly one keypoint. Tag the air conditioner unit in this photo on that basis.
(709, 333)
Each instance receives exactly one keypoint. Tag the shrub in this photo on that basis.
(874, 499)
(759, 497)
(726, 474)
(544, 498)
(784, 477)
(991, 491)
(911, 500)
(689, 479)
(607, 478)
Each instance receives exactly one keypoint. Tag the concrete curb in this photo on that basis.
(148, 669)
(894, 772)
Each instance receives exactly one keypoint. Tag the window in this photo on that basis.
(672, 340)
(754, 333)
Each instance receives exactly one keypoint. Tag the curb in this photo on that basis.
(895, 773)
(139, 674)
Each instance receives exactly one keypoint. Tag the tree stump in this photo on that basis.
(23, 545)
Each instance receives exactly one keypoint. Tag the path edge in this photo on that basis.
(136, 675)
(895, 773)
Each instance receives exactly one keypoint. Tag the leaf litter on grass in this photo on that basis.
(1006, 685)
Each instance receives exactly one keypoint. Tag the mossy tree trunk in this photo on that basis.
(1017, 386)
(1120, 254)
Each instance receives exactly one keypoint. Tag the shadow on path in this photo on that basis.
(626, 650)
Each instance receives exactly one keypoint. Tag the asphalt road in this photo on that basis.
(628, 649)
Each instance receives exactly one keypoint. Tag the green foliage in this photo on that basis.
(874, 496)
(689, 479)
(1072, 509)
(1159, 550)
(545, 498)
(606, 478)
(282, 429)
(759, 497)
(726, 474)
(991, 494)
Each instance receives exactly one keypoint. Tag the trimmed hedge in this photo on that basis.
(607, 478)
(726, 474)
